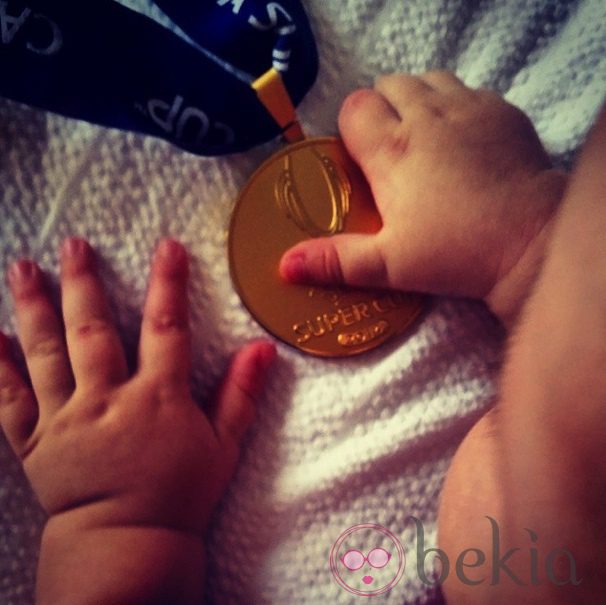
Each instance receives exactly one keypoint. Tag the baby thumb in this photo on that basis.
(353, 259)
(236, 403)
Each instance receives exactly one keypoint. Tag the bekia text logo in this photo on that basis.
(368, 560)
(363, 570)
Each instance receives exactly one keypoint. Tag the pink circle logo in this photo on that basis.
(367, 560)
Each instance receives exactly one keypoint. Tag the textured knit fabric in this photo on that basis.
(336, 443)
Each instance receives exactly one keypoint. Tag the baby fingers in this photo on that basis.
(348, 258)
(41, 335)
(95, 350)
(18, 409)
(165, 347)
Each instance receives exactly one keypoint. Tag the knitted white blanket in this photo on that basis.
(337, 443)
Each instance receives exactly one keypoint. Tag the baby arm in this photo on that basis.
(128, 468)
(537, 461)
(464, 187)
(470, 207)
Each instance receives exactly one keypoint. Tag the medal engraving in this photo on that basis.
(334, 296)
(361, 337)
(338, 192)
(311, 188)
(352, 315)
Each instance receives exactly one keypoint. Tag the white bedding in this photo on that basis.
(337, 443)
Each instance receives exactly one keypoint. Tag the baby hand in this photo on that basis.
(464, 188)
(128, 468)
(106, 448)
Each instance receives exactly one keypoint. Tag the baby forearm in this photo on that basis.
(135, 565)
(558, 357)
(553, 408)
(535, 462)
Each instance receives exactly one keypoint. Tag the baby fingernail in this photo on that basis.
(266, 356)
(22, 271)
(294, 268)
(170, 249)
(73, 247)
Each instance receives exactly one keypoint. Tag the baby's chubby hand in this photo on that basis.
(463, 185)
(105, 449)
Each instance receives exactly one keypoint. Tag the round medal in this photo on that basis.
(310, 189)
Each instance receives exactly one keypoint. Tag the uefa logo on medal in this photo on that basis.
(367, 560)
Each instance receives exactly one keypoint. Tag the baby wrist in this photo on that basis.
(510, 292)
(130, 565)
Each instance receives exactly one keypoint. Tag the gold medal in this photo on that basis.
(309, 189)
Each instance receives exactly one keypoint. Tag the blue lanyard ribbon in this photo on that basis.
(104, 63)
